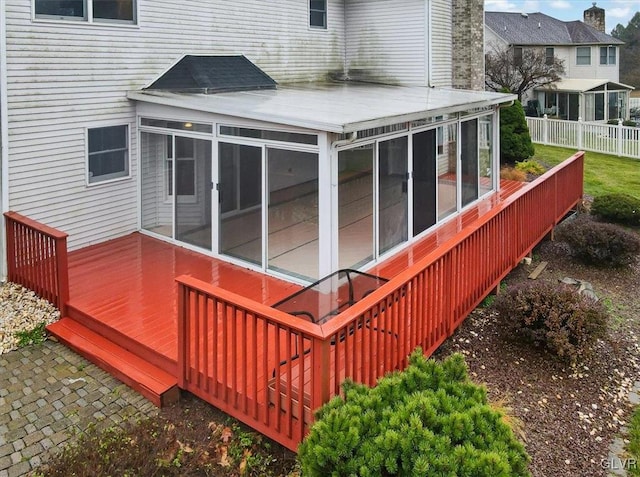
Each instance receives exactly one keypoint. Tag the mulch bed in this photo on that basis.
(569, 415)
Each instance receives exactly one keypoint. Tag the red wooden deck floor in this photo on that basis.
(128, 285)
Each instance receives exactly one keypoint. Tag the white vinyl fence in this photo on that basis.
(598, 137)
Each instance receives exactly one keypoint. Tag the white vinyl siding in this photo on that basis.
(65, 77)
(386, 41)
(441, 40)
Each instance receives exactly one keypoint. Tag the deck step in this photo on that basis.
(155, 384)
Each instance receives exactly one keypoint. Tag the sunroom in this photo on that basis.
(300, 181)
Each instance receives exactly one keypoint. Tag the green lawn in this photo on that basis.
(633, 448)
(603, 173)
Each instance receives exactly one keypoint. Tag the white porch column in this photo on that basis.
(326, 205)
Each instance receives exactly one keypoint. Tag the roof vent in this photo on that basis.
(524, 15)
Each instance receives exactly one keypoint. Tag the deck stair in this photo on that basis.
(160, 387)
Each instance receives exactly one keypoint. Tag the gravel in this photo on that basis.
(21, 310)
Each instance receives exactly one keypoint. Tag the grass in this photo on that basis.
(633, 448)
(603, 174)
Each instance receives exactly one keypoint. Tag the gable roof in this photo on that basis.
(210, 74)
(540, 29)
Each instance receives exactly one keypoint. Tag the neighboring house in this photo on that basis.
(590, 88)
(196, 122)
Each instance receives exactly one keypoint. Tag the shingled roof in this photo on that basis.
(540, 29)
(213, 74)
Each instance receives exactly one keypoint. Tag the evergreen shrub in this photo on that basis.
(429, 419)
(515, 140)
(618, 208)
(554, 316)
(598, 243)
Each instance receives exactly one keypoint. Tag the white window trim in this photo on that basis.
(607, 57)
(590, 56)
(130, 127)
(88, 19)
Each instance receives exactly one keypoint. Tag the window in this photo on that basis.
(607, 55)
(548, 56)
(318, 13)
(108, 153)
(115, 11)
(517, 55)
(583, 55)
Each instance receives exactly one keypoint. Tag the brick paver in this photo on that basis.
(49, 394)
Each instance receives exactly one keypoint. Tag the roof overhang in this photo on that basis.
(333, 107)
(584, 85)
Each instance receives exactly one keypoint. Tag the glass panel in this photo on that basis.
(612, 55)
(603, 55)
(355, 206)
(447, 170)
(156, 208)
(240, 201)
(180, 125)
(589, 106)
(282, 136)
(613, 106)
(599, 116)
(193, 191)
(72, 9)
(424, 180)
(108, 153)
(120, 10)
(486, 154)
(583, 55)
(392, 186)
(574, 106)
(318, 13)
(293, 212)
(469, 161)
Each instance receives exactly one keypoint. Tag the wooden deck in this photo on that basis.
(128, 285)
(186, 320)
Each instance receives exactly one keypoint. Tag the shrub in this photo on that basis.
(531, 167)
(554, 316)
(619, 208)
(515, 140)
(600, 244)
(509, 173)
(427, 420)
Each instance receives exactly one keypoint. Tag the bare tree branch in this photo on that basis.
(518, 74)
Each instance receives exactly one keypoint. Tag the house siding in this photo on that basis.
(386, 41)
(64, 77)
(441, 44)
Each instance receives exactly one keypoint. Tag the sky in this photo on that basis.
(616, 11)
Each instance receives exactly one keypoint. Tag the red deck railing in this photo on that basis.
(270, 369)
(37, 258)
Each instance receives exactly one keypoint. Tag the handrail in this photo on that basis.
(37, 258)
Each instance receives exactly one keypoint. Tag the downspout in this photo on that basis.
(4, 138)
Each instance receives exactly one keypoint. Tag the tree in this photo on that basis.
(630, 51)
(521, 69)
(515, 140)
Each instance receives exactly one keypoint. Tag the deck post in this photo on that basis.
(62, 271)
(182, 335)
(321, 371)
(11, 247)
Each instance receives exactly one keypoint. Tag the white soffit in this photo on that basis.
(582, 85)
(332, 107)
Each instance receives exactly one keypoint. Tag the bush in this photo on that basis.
(600, 244)
(427, 420)
(509, 173)
(531, 167)
(554, 316)
(515, 140)
(619, 208)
